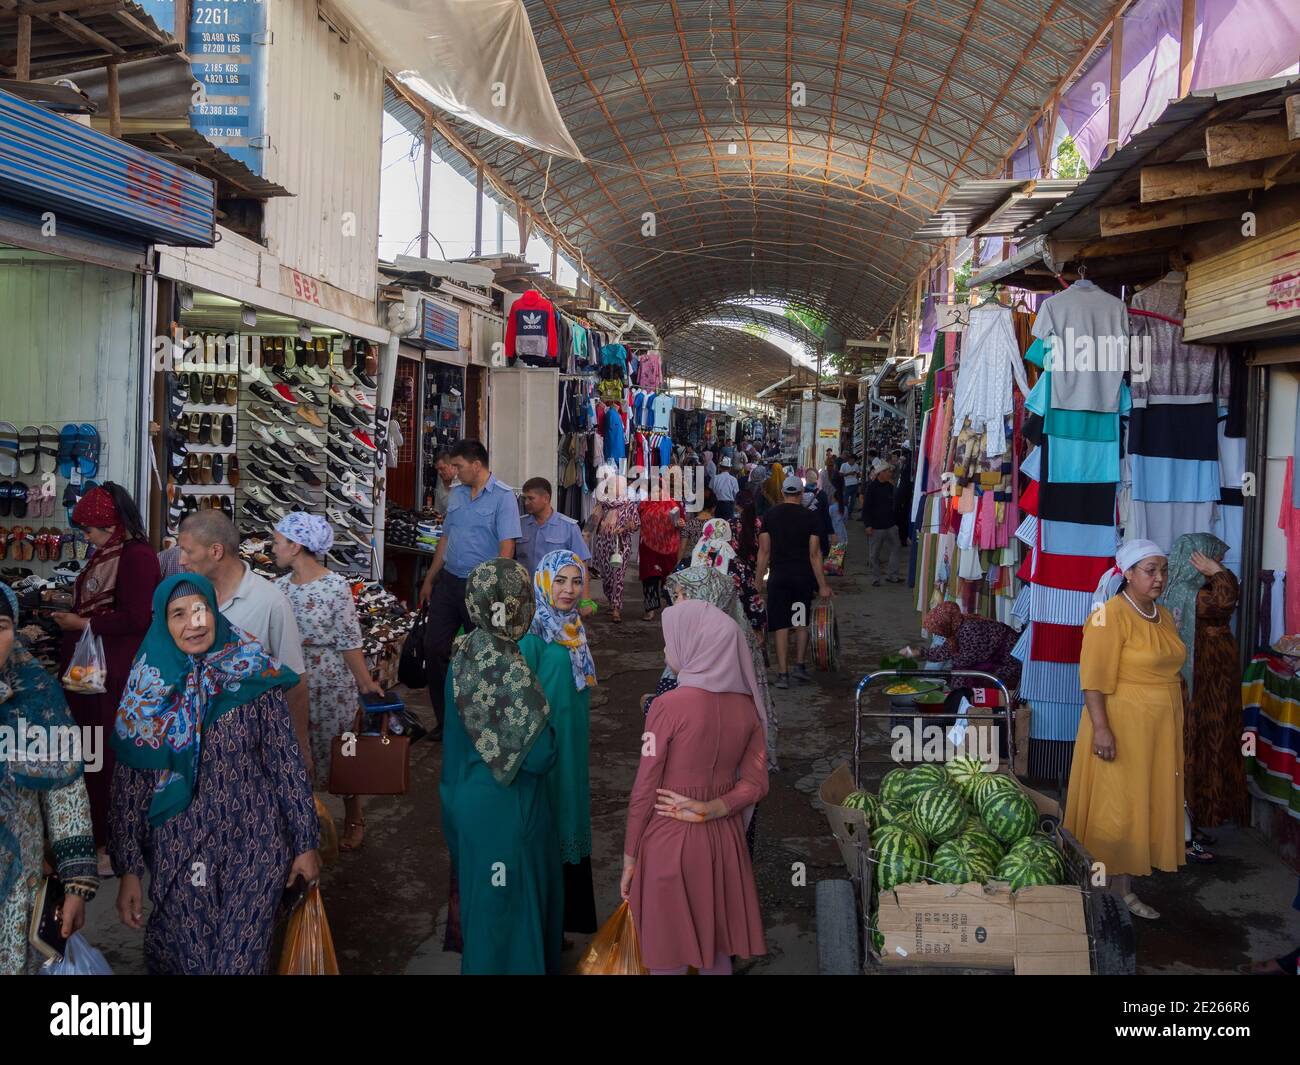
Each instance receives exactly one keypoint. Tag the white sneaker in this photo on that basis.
(264, 434)
(357, 497)
(311, 438)
(313, 376)
(341, 397)
(341, 375)
(256, 375)
(361, 399)
(339, 518)
(281, 436)
(259, 494)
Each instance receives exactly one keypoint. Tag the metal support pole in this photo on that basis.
(424, 193)
(478, 211)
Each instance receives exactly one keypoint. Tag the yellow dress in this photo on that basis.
(1128, 813)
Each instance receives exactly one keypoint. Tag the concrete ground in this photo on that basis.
(387, 904)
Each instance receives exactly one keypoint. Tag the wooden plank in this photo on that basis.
(1172, 181)
(23, 65)
(1186, 48)
(114, 103)
(1293, 117)
(85, 34)
(1116, 82)
(1243, 142)
(1138, 218)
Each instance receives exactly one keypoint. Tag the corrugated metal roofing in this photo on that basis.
(994, 208)
(721, 357)
(784, 151)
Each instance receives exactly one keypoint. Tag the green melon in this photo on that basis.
(989, 783)
(961, 861)
(962, 774)
(891, 785)
(939, 814)
(1042, 849)
(877, 937)
(983, 839)
(864, 801)
(900, 855)
(1020, 870)
(1009, 815)
(919, 780)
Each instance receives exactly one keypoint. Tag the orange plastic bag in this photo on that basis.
(308, 945)
(329, 834)
(614, 950)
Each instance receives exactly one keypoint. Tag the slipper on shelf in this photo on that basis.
(6, 503)
(47, 501)
(23, 550)
(49, 449)
(29, 443)
(8, 449)
(18, 498)
(79, 546)
(68, 439)
(88, 455)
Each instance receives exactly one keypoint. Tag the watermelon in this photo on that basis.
(901, 857)
(864, 801)
(877, 938)
(962, 774)
(1021, 870)
(983, 840)
(891, 785)
(919, 779)
(1041, 849)
(939, 814)
(989, 783)
(961, 861)
(1009, 815)
(895, 815)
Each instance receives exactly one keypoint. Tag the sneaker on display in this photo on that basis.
(270, 454)
(266, 394)
(264, 415)
(361, 437)
(340, 473)
(278, 494)
(344, 416)
(338, 494)
(296, 495)
(311, 438)
(360, 518)
(364, 379)
(313, 376)
(342, 376)
(256, 375)
(361, 399)
(339, 517)
(259, 495)
(285, 374)
(286, 394)
(306, 475)
(357, 497)
(263, 434)
(257, 513)
(277, 513)
(339, 396)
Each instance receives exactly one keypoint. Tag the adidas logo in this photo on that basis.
(532, 321)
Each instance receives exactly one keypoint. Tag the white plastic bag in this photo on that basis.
(87, 673)
(79, 959)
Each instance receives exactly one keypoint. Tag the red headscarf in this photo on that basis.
(943, 620)
(96, 589)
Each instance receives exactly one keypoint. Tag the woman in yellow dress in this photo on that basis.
(1125, 803)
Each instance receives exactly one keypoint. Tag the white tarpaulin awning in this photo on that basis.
(476, 59)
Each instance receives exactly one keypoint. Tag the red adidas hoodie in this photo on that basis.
(531, 334)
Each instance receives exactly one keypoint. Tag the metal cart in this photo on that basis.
(844, 906)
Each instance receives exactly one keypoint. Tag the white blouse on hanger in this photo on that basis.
(990, 364)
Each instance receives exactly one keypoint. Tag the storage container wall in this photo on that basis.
(324, 118)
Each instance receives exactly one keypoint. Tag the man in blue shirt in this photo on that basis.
(544, 530)
(482, 522)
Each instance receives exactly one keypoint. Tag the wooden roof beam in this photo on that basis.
(1176, 181)
(1125, 218)
(1243, 142)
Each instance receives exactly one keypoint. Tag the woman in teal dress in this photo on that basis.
(556, 650)
(498, 747)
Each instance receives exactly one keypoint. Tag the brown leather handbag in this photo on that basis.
(377, 765)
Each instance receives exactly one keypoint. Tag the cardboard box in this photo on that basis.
(1037, 930)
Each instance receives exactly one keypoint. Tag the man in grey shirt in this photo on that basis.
(209, 546)
(725, 488)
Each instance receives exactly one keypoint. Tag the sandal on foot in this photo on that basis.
(1138, 908)
(1197, 853)
(357, 841)
(615, 616)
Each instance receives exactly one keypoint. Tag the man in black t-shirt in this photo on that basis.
(790, 554)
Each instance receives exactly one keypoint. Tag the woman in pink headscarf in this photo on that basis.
(686, 871)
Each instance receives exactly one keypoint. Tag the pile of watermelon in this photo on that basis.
(956, 824)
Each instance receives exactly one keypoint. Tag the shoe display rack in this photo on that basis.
(354, 459)
(203, 409)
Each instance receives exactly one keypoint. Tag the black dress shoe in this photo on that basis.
(307, 476)
(227, 430)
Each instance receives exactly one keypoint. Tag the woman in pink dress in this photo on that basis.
(686, 870)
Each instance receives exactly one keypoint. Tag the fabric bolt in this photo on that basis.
(1083, 461)
(1166, 480)
(1056, 643)
(1077, 573)
(328, 624)
(1179, 373)
(1055, 605)
(1289, 522)
(1051, 681)
(1073, 538)
(1165, 522)
(1086, 504)
(990, 368)
(1086, 353)
(1128, 812)
(1176, 432)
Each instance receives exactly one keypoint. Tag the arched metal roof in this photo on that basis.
(726, 358)
(777, 149)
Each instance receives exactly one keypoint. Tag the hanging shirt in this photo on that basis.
(990, 364)
(663, 405)
(1089, 354)
(531, 333)
(651, 370)
(615, 436)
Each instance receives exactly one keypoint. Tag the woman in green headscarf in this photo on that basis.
(210, 792)
(499, 746)
(43, 801)
(1202, 597)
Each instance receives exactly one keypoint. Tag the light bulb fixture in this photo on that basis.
(248, 316)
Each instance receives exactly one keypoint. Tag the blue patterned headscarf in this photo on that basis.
(310, 530)
(172, 697)
(563, 627)
(29, 698)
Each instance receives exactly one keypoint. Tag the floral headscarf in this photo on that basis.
(29, 699)
(311, 530)
(562, 627)
(714, 546)
(943, 620)
(501, 702)
(172, 698)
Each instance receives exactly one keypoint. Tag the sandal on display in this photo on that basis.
(6, 502)
(49, 449)
(68, 437)
(8, 449)
(18, 498)
(29, 442)
(88, 453)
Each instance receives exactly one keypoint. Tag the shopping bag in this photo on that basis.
(412, 669)
(329, 834)
(79, 959)
(833, 563)
(87, 673)
(614, 950)
(308, 946)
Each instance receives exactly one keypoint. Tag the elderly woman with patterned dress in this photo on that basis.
(610, 525)
(499, 747)
(43, 804)
(210, 793)
(111, 598)
(1125, 801)
(686, 873)
(337, 674)
(970, 642)
(556, 651)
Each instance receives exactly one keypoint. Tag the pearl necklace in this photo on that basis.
(1155, 610)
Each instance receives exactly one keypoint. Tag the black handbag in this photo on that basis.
(413, 667)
